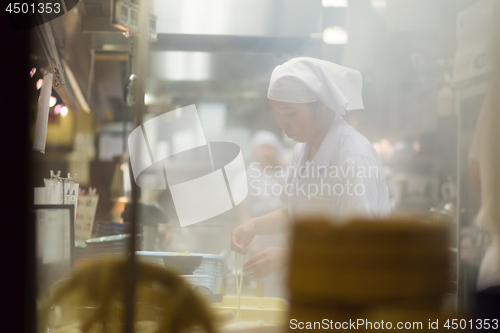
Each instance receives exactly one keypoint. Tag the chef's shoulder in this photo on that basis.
(354, 145)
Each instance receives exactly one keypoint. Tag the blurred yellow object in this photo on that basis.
(140, 327)
(270, 311)
(180, 254)
(369, 261)
(92, 300)
(396, 269)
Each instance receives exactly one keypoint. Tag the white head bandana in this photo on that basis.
(307, 80)
(263, 138)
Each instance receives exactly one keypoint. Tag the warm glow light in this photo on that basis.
(334, 3)
(122, 199)
(383, 147)
(57, 109)
(53, 101)
(64, 111)
(335, 35)
(149, 99)
(32, 72)
(39, 84)
(379, 3)
(416, 146)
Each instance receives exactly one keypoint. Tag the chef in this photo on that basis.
(335, 170)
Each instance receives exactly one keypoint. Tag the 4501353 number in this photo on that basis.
(40, 8)
(462, 324)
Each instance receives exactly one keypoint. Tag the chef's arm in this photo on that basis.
(273, 223)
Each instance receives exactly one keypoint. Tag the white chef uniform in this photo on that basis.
(344, 178)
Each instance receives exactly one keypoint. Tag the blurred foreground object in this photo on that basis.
(392, 269)
(262, 311)
(488, 284)
(207, 276)
(91, 300)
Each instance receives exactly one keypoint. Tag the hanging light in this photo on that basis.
(64, 111)
(335, 35)
(57, 109)
(32, 72)
(39, 84)
(52, 101)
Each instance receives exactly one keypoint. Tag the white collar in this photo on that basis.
(328, 145)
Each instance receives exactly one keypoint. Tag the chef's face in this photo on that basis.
(266, 155)
(299, 121)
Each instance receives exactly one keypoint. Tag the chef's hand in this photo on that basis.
(265, 262)
(242, 236)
